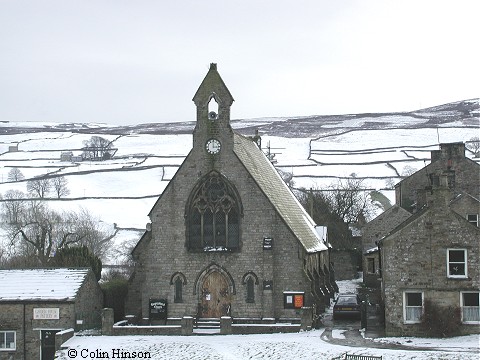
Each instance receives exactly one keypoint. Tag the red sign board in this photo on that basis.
(298, 301)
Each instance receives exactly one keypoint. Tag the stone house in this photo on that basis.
(227, 236)
(433, 256)
(463, 176)
(35, 304)
(372, 232)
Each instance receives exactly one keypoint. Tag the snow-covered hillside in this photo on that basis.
(317, 150)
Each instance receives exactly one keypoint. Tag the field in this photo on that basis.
(318, 150)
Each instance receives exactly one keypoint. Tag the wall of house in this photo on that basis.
(372, 232)
(88, 304)
(383, 224)
(466, 205)
(415, 258)
(371, 278)
(346, 263)
(19, 317)
(11, 319)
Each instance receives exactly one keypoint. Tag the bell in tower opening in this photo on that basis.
(212, 108)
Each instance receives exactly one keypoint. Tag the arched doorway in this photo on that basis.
(215, 297)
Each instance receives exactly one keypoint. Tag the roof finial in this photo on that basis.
(213, 66)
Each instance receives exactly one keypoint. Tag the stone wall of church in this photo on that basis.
(167, 254)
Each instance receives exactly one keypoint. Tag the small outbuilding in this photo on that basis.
(35, 304)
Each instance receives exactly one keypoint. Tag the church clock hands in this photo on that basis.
(213, 146)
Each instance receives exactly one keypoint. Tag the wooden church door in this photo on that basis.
(216, 298)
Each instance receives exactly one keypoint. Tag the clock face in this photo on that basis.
(213, 146)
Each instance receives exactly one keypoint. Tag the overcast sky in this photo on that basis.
(139, 61)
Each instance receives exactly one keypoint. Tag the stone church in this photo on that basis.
(227, 236)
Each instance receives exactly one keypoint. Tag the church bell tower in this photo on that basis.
(213, 133)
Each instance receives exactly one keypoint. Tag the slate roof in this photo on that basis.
(272, 185)
(41, 284)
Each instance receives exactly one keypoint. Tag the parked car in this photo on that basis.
(347, 306)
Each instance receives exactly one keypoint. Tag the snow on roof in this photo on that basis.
(322, 232)
(41, 284)
(275, 189)
(371, 250)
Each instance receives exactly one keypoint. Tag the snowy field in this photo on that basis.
(123, 190)
(144, 164)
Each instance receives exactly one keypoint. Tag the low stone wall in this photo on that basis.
(147, 330)
(125, 328)
(227, 326)
(246, 329)
(62, 336)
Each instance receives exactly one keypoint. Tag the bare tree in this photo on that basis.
(39, 232)
(13, 205)
(97, 148)
(39, 187)
(95, 236)
(349, 199)
(287, 178)
(60, 186)
(318, 206)
(408, 170)
(390, 183)
(15, 175)
(474, 146)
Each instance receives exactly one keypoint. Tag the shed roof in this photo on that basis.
(41, 284)
(280, 196)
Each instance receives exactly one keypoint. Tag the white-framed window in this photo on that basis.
(412, 306)
(473, 219)
(8, 340)
(457, 263)
(470, 305)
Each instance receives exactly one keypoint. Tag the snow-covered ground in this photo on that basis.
(303, 345)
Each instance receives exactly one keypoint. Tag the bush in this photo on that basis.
(440, 321)
(77, 256)
(115, 291)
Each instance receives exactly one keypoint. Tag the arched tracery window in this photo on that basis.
(214, 216)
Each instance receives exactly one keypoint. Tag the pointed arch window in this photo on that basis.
(178, 297)
(250, 279)
(250, 290)
(178, 280)
(213, 216)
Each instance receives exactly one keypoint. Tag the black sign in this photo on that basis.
(158, 309)
(267, 284)
(267, 243)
